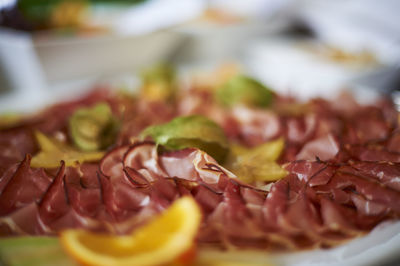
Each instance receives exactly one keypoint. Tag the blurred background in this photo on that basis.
(52, 49)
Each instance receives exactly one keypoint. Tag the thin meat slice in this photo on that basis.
(256, 126)
(15, 143)
(121, 199)
(367, 207)
(322, 177)
(24, 221)
(386, 173)
(372, 191)
(143, 155)
(207, 198)
(301, 129)
(324, 148)
(54, 202)
(305, 170)
(180, 164)
(334, 218)
(112, 163)
(372, 154)
(275, 204)
(393, 144)
(26, 186)
(7, 175)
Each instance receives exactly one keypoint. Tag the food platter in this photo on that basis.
(375, 247)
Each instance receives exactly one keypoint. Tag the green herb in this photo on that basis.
(93, 128)
(244, 90)
(191, 131)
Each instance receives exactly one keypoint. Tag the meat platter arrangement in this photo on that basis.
(266, 172)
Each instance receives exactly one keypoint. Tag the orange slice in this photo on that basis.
(161, 241)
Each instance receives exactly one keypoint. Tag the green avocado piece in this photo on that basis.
(244, 90)
(93, 128)
(191, 131)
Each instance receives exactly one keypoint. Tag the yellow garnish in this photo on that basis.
(161, 241)
(8, 120)
(53, 151)
(159, 83)
(257, 164)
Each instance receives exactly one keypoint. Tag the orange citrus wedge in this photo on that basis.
(161, 241)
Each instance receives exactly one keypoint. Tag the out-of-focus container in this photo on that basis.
(34, 61)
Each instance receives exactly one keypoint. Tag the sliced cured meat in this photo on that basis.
(324, 148)
(209, 170)
(368, 208)
(372, 154)
(24, 221)
(322, 177)
(25, 186)
(301, 129)
(334, 218)
(275, 204)
(207, 198)
(143, 155)
(121, 199)
(256, 126)
(180, 164)
(54, 202)
(14, 145)
(112, 163)
(393, 144)
(385, 172)
(7, 175)
(305, 170)
(88, 175)
(372, 191)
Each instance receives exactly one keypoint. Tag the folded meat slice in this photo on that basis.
(180, 164)
(334, 217)
(305, 170)
(275, 204)
(372, 154)
(386, 173)
(324, 148)
(367, 207)
(54, 202)
(370, 190)
(194, 165)
(301, 129)
(24, 221)
(27, 185)
(256, 126)
(120, 198)
(143, 157)
(15, 143)
(112, 163)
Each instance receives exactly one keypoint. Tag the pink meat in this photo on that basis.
(324, 148)
(25, 186)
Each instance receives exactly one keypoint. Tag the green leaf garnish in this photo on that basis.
(93, 128)
(191, 131)
(244, 90)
